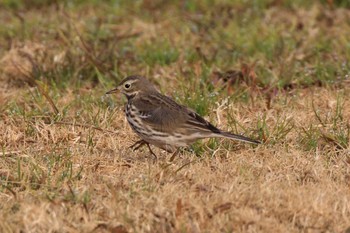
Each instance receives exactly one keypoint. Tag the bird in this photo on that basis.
(160, 121)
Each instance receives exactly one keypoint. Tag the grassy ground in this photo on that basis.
(276, 70)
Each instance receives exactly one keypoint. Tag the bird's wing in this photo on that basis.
(165, 114)
(197, 122)
(160, 111)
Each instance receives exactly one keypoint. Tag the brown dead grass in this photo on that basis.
(26, 61)
(270, 188)
(74, 172)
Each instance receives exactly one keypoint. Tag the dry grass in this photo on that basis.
(73, 171)
(55, 180)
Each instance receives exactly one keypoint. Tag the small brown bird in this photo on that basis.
(162, 122)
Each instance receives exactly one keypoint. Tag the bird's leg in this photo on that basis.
(151, 151)
(137, 145)
(174, 155)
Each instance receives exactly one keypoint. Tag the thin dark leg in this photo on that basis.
(140, 145)
(137, 145)
(151, 151)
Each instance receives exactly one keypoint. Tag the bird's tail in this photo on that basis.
(238, 137)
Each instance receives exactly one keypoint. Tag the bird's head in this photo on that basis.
(132, 86)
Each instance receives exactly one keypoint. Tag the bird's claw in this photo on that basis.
(137, 145)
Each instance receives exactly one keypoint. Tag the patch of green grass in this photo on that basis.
(337, 3)
(332, 128)
(197, 93)
(336, 128)
(277, 132)
(161, 53)
(309, 137)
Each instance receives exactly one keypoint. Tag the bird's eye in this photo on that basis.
(127, 86)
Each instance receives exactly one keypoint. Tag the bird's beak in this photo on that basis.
(112, 91)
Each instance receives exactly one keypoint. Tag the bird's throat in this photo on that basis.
(130, 96)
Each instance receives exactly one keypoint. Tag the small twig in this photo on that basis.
(316, 114)
(331, 139)
(93, 59)
(84, 126)
(71, 191)
(8, 153)
(47, 97)
(127, 36)
(183, 166)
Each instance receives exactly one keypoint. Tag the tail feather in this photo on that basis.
(238, 137)
(199, 124)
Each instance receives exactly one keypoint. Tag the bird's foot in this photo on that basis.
(137, 145)
(151, 151)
